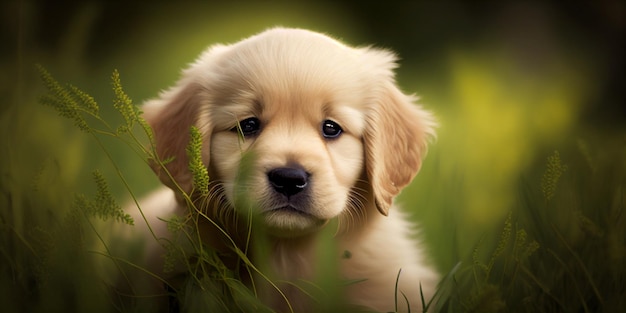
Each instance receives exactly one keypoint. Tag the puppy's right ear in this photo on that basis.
(171, 116)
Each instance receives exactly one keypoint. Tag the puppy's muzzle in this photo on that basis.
(288, 181)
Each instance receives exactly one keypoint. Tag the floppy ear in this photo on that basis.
(171, 117)
(172, 114)
(396, 139)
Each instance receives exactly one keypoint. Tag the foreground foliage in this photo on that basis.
(561, 249)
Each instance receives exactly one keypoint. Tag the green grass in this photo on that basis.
(560, 248)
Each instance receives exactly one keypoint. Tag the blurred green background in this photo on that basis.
(509, 82)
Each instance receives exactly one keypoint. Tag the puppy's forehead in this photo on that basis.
(291, 35)
(289, 60)
(293, 73)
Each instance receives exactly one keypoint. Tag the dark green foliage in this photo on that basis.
(48, 266)
(562, 250)
(103, 205)
(70, 102)
(550, 179)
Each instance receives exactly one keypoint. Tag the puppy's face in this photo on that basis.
(293, 122)
(306, 155)
(299, 107)
(303, 130)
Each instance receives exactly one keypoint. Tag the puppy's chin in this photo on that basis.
(286, 222)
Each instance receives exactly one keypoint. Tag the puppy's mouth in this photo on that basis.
(290, 221)
(290, 209)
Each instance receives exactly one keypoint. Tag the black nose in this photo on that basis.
(288, 180)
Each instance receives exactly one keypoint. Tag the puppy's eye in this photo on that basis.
(331, 129)
(249, 126)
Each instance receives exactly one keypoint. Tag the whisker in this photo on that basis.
(354, 214)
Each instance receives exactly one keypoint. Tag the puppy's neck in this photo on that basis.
(289, 258)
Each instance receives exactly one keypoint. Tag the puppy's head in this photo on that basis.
(328, 131)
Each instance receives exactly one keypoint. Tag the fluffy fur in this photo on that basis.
(293, 82)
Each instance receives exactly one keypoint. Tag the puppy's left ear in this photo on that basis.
(396, 139)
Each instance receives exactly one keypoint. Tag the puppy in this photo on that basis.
(331, 141)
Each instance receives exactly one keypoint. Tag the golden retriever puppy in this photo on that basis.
(331, 140)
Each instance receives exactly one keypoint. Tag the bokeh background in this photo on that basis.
(509, 82)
